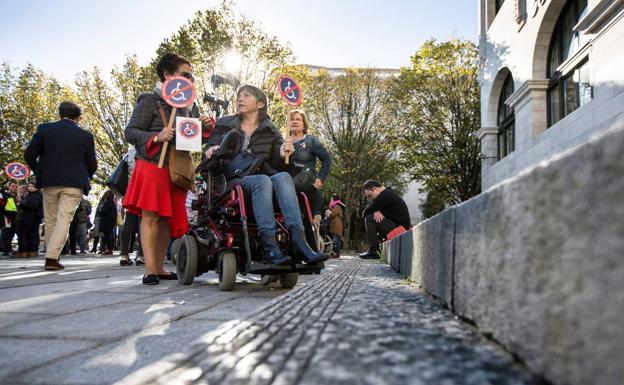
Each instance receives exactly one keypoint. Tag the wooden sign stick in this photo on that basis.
(166, 144)
(286, 159)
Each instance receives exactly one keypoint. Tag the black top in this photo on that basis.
(307, 151)
(62, 154)
(391, 206)
(32, 208)
(266, 141)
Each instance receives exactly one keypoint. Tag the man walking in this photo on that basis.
(386, 212)
(62, 154)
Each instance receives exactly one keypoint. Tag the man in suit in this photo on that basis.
(62, 155)
(386, 212)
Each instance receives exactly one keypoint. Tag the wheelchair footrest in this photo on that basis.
(256, 267)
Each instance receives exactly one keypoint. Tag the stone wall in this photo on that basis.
(537, 262)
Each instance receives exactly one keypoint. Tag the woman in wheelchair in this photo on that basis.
(260, 137)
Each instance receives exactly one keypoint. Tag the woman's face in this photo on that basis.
(297, 125)
(31, 187)
(247, 103)
(183, 70)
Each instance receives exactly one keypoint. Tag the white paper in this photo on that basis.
(188, 134)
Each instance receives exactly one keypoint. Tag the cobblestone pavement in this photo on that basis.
(357, 324)
(95, 323)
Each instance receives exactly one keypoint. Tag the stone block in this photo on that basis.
(539, 265)
(395, 254)
(432, 259)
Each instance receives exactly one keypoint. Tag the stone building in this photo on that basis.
(552, 76)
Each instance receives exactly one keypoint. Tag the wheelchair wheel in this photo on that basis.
(186, 260)
(227, 271)
(175, 250)
(289, 280)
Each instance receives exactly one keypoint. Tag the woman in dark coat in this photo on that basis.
(31, 214)
(260, 137)
(151, 194)
(336, 228)
(107, 211)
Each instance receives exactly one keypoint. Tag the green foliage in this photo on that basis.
(348, 113)
(108, 107)
(437, 103)
(27, 99)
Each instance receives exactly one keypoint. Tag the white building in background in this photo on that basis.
(552, 76)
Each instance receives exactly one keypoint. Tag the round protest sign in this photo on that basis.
(290, 90)
(17, 171)
(178, 92)
(189, 129)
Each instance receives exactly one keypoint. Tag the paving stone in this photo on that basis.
(19, 354)
(7, 319)
(111, 362)
(357, 324)
(115, 322)
(66, 302)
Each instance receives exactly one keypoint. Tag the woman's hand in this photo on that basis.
(166, 134)
(287, 148)
(318, 184)
(207, 121)
(211, 151)
(378, 216)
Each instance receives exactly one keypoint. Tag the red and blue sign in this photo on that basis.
(189, 129)
(17, 171)
(290, 90)
(178, 92)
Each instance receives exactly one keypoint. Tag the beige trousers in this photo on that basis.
(59, 206)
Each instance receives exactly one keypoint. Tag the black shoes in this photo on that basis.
(301, 247)
(170, 276)
(139, 261)
(272, 250)
(125, 261)
(150, 279)
(370, 254)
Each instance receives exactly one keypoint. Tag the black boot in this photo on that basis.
(372, 253)
(272, 250)
(301, 247)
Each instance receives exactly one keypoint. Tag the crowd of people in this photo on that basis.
(153, 210)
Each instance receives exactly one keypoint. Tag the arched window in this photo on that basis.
(505, 120)
(570, 90)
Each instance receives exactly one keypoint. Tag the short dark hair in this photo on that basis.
(169, 62)
(370, 184)
(263, 113)
(69, 110)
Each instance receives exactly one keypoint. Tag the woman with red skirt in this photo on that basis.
(151, 194)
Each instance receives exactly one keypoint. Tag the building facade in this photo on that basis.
(552, 76)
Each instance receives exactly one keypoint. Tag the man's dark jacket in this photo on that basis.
(62, 154)
(392, 207)
(266, 141)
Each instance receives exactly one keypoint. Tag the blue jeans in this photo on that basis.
(262, 188)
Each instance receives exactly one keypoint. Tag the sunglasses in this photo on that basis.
(188, 75)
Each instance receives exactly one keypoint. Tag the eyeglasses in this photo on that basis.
(188, 75)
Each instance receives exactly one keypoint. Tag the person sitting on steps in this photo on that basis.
(386, 211)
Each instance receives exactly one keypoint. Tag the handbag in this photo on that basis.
(243, 164)
(181, 166)
(303, 179)
(118, 180)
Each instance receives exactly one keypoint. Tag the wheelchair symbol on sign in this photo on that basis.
(289, 91)
(178, 95)
(17, 172)
(189, 130)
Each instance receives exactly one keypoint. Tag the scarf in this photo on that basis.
(333, 204)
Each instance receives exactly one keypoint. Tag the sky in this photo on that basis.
(64, 37)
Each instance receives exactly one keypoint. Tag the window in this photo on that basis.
(498, 4)
(506, 120)
(567, 91)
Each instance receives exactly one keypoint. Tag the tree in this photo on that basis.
(26, 100)
(350, 115)
(437, 102)
(107, 109)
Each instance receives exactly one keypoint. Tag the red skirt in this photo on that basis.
(150, 189)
